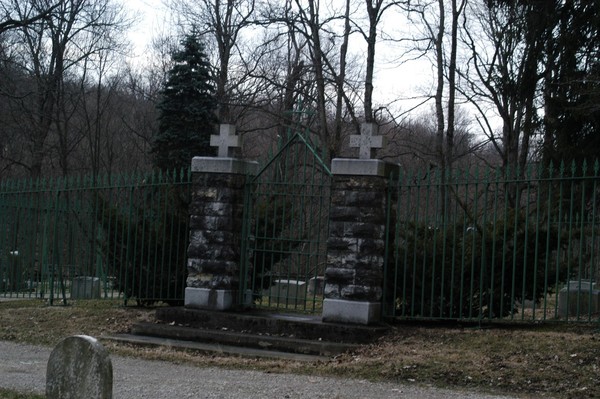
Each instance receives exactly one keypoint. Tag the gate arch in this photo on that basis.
(286, 215)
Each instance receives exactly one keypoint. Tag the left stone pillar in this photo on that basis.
(216, 217)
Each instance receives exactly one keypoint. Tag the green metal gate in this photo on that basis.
(285, 229)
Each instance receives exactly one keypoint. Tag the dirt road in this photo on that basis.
(23, 368)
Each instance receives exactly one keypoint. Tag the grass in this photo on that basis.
(32, 321)
(534, 361)
(10, 394)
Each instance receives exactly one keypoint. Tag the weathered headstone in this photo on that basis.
(578, 299)
(287, 291)
(85, 287)
(79, 367)
(316, 284)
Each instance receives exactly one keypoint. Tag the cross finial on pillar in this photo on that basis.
(226, 141)
(367, 140)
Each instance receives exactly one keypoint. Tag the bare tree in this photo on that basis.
(11, 21)
(329, 66)
(505, 55)
(341, 76)
(222, 23)
(53, 50)
(311, 19)
(445, 51)
(299, 58)
(375, 11)
(299, 49)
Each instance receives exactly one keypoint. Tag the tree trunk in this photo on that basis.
(341, 78)
(317, 59)
(439, 93)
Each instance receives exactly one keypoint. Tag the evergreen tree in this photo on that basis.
(572, 84)
(186, 121)
(187, 108)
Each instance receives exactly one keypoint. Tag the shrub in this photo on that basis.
(469, 271)
(146, 247)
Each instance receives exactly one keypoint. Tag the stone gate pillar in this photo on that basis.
(216, 217)
(356, 243)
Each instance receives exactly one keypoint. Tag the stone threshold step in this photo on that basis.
(244, 339)
(300, 326)
(213, 349)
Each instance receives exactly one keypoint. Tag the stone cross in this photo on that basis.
(226, 141)
(79, 367)
(367, 140)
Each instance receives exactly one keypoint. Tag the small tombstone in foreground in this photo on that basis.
(79, 367)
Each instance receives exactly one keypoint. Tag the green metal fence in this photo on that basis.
(482, 244)
(285, 232)
(120, 236)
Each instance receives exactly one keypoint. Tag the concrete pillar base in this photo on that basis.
(209, 299)
(356, 312)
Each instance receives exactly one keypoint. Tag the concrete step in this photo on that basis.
(211, 348)
(298, 326)
(245, 339)
(254, 334)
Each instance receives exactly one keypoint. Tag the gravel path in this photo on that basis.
(23, 368)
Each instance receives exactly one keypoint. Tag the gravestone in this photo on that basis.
(315, 285)
(85, 287)
(287, 291)
(79, 367)
(579, 299)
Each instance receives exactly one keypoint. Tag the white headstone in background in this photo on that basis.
(579, 299)
(86, 287)
(287, 291)
(79, 367)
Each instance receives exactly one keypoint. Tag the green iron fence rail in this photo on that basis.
(473, 244)
(120, 236)
(482, 244)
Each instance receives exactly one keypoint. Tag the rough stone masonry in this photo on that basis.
(356, 240)
(216, 228)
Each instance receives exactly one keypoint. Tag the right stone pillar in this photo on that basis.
(356, 243)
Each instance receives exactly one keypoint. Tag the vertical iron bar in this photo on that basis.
(525, 266)
(538, 211)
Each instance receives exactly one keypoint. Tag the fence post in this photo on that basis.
(216, 217)
(356, 244)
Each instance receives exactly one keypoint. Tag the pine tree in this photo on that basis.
(187, 108)
(186, 121)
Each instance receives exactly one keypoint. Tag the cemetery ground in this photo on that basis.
(545, 360)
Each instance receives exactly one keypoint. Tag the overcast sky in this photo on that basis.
(391, 81)
(151, 19)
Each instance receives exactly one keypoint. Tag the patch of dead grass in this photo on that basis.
(537, 361)
(560, 362)
(34, 322)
